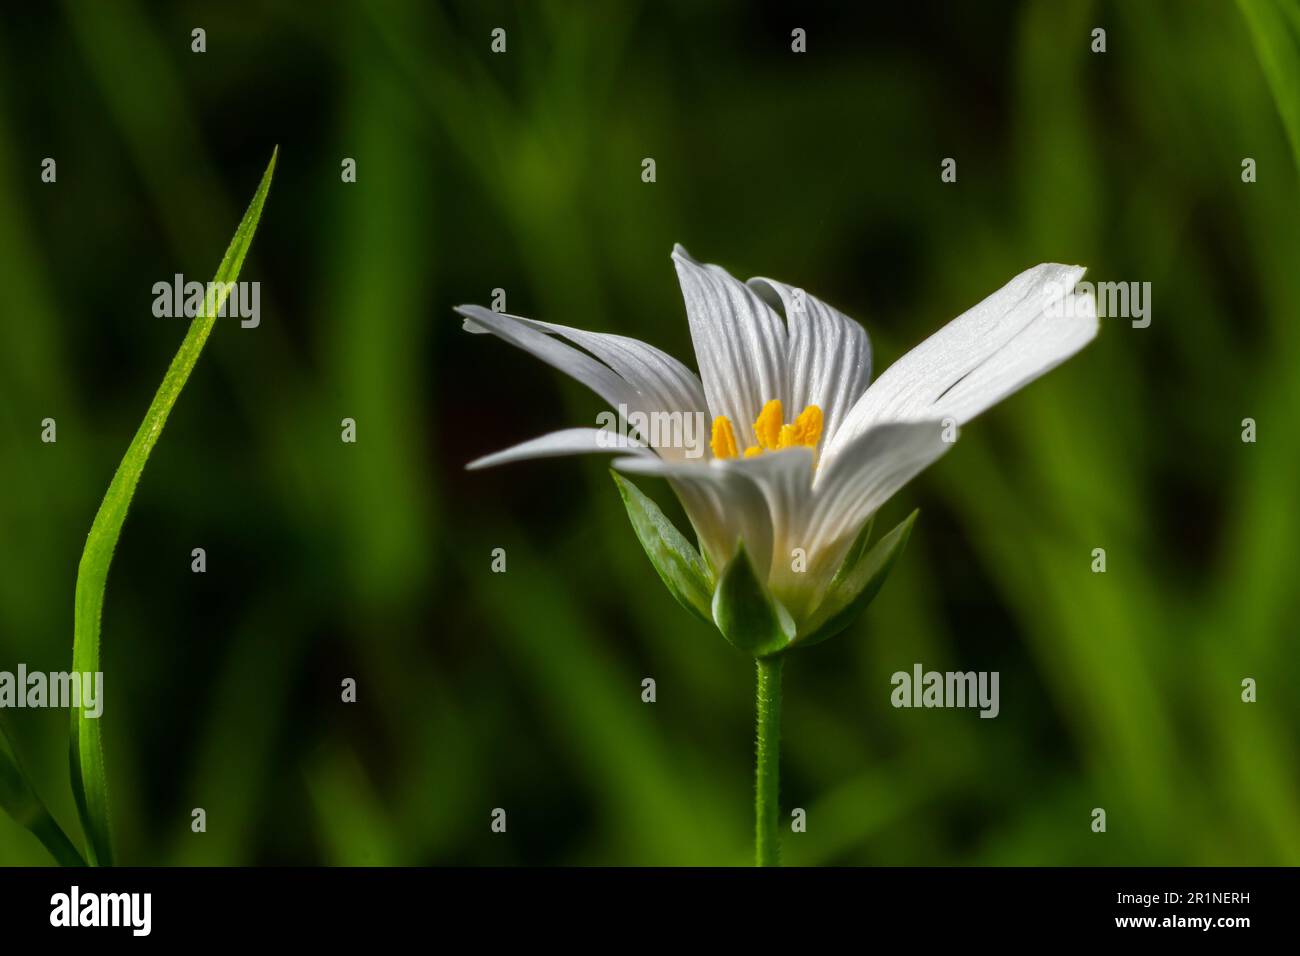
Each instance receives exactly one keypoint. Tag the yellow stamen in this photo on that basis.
(723, 440)
(767, 427)
(807, 429)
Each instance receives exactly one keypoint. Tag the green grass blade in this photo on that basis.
(1275, 30)
(19, 800)
(89, 780)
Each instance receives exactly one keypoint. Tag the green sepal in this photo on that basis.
(857, 582)
(856, 551)
(680, 566)
(746, 614)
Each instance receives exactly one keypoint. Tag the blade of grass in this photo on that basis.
(89, 779)
(20, 801)
(1275, 30)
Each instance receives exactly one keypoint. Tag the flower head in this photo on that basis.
(803, 448)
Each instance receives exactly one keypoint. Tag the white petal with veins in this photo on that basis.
(725, 505)
(830, 354)
(569, 441)
(662, 384)
(598, 377)
(979, 357)
(740, 343)
(868, 472)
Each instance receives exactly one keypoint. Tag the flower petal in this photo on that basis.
(569, 441)
(784, 479)
(661, 382)
(980, 357)
(724, 506)
(763, 501)
(1044, 344)
(598, 377)
(740, 343)
(867, 473)
(856, 585)
(830, 354)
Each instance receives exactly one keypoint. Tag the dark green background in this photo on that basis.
(522, 171)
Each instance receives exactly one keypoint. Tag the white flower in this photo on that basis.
(804, 448)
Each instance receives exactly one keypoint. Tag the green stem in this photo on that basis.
(767, 773)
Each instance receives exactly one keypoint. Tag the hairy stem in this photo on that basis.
(767, 772)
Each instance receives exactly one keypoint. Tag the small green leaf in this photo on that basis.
(20, 801)
(679, 565)
(857, 582)
(746, 614)
(89, 779)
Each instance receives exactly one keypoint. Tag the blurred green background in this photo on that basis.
(522, 172)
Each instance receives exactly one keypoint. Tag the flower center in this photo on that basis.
(772, 434)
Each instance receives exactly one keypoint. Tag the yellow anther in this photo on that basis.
(807, 429)
(723, 440)
(767, 427)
